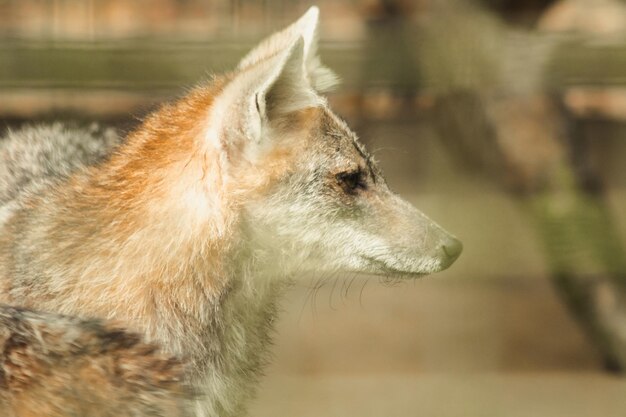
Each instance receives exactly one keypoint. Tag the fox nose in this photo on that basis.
(452, 248)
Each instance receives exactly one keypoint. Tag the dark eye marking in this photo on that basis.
(351, 181)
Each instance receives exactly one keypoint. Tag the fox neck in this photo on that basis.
(227, 339)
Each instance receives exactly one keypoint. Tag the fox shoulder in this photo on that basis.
(58, 366)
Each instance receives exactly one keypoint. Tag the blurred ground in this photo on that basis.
(441, 395)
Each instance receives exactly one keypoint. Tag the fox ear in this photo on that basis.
(319, 76)
(258, 94)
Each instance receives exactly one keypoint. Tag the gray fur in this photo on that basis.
(37, 155)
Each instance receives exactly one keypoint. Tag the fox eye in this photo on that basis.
(351, 181)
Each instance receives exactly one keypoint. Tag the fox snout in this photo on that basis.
(433, 248)
(451, 248)
(414, 245)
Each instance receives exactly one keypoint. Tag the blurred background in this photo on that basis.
(504, 120)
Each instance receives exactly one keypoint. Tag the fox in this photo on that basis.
(190, 228)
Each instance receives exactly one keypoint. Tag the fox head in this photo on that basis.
(310, 196)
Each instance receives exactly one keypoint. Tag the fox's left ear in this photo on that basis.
(319, 76)
(241, 115)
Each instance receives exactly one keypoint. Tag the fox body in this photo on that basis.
(188, 229)
(57, 366)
